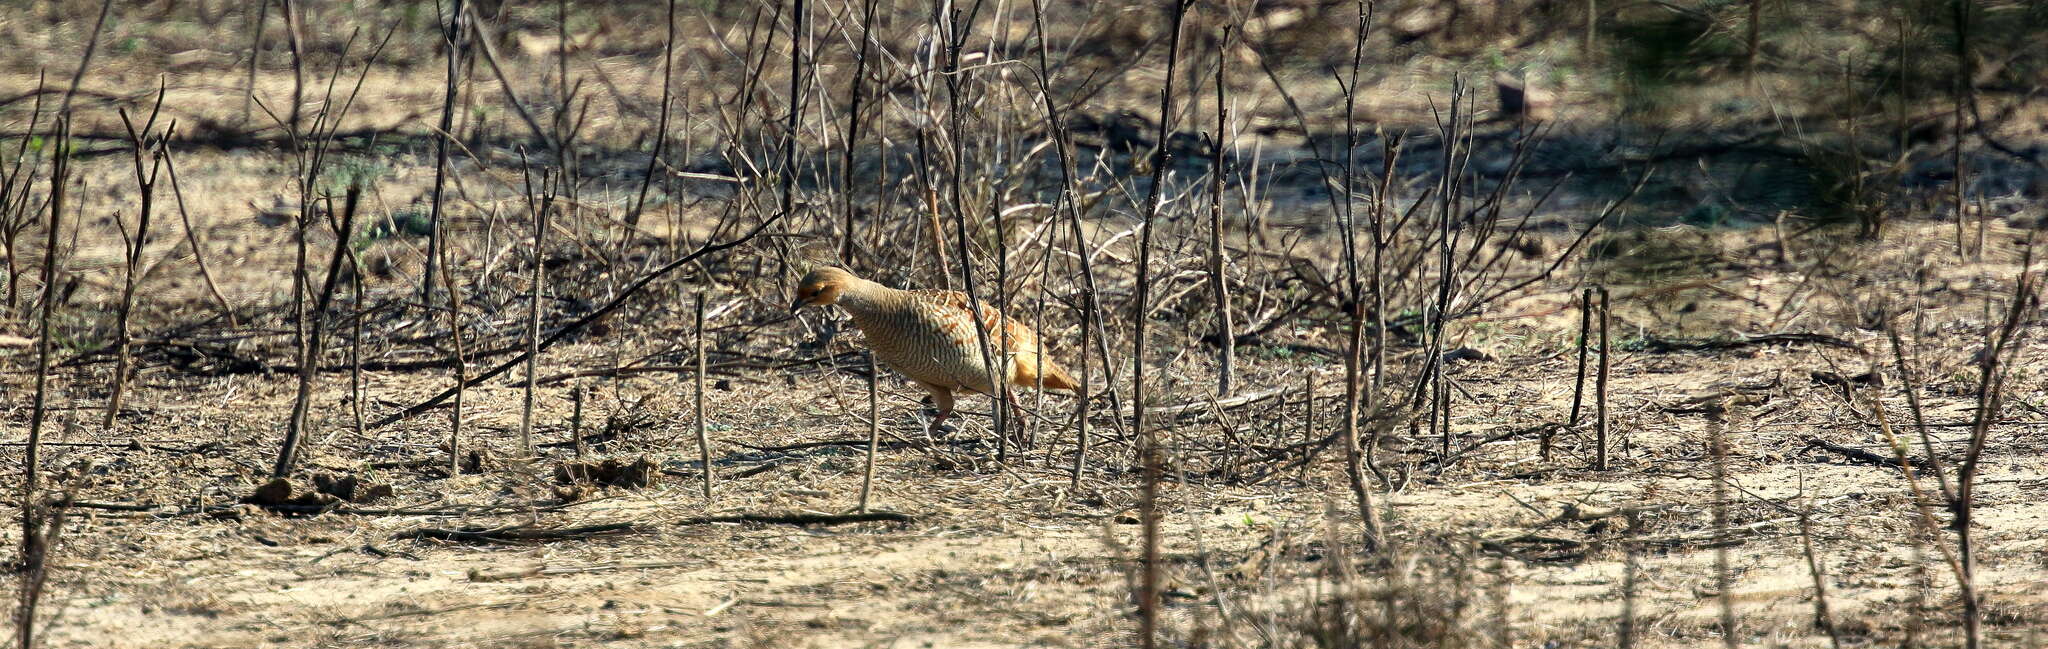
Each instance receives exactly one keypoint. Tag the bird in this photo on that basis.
(927, 336)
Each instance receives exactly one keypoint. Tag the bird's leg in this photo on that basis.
(943, 398)
(1024, 431)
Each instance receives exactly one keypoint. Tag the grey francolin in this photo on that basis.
(927, 336)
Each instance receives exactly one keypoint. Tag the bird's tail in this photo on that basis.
(1038, 371)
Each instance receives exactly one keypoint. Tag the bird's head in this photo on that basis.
(822, 287)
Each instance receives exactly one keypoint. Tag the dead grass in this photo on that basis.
(1495, 548)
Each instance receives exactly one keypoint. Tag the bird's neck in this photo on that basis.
(861, 297)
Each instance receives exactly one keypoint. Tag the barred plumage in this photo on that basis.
(929, 337)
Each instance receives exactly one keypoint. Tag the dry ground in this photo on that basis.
(995, 555)
(1009, 555)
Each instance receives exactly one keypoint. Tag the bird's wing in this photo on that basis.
(1030, 366)
(952, 307)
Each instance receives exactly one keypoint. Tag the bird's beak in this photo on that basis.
(796, 306)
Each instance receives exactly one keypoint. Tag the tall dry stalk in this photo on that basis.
(458, 359)
(310, 149)
(1961, 94)
(39, 523)
(853, 124)
(1148, 449)
(867, 477)
(313, 327)
(15, 215)
(255, 52)
(92, 45)
(538, 209)
(987, 341)
(703, 421)
(1600, 384)
(133, 245)
(1992, 369)
(668, 64)
(31, 467)
(455, 43)
(1070, 197)
(1219, 286)
(1578, 378)
(576, 421)
(1355, 381)
(227, 312)
(293, 41)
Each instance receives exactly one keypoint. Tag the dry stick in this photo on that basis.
(1226, 335)
(1957, 88)
(703, 427)
(624, 294)
(313, 326)
(1148, 503)
(192, 240)
(1578, 380)
(31, 454)
(1910, 383)
(797, 23)
(35, 569)
(539, 279)
(355, 339)
(485, 38)
(867, 479)
(292, 41)
(1070, 195)
(1756, 11)
(991, 374)
(17, 217)
(1081, 391)
(255, 52)
(146, 187)
(302, 341)
(860, 73)
(453, 39)
(1600, 386)
(461, 368)
(576, 421)
(1923, 503)
(1724, 576)
(92, 43)
(668, 62)
(564, 96)
(1448, 193)
(1354, 372)
(1308, 416)
(1990, 400)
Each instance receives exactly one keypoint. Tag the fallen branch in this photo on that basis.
(521, 534)
(1854, 454)
(539, 570)
(805, 518)
(624, 294)
(1204, 406)
(165, 511)
(1658, 344)
(1711, 537)
(531, 534)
